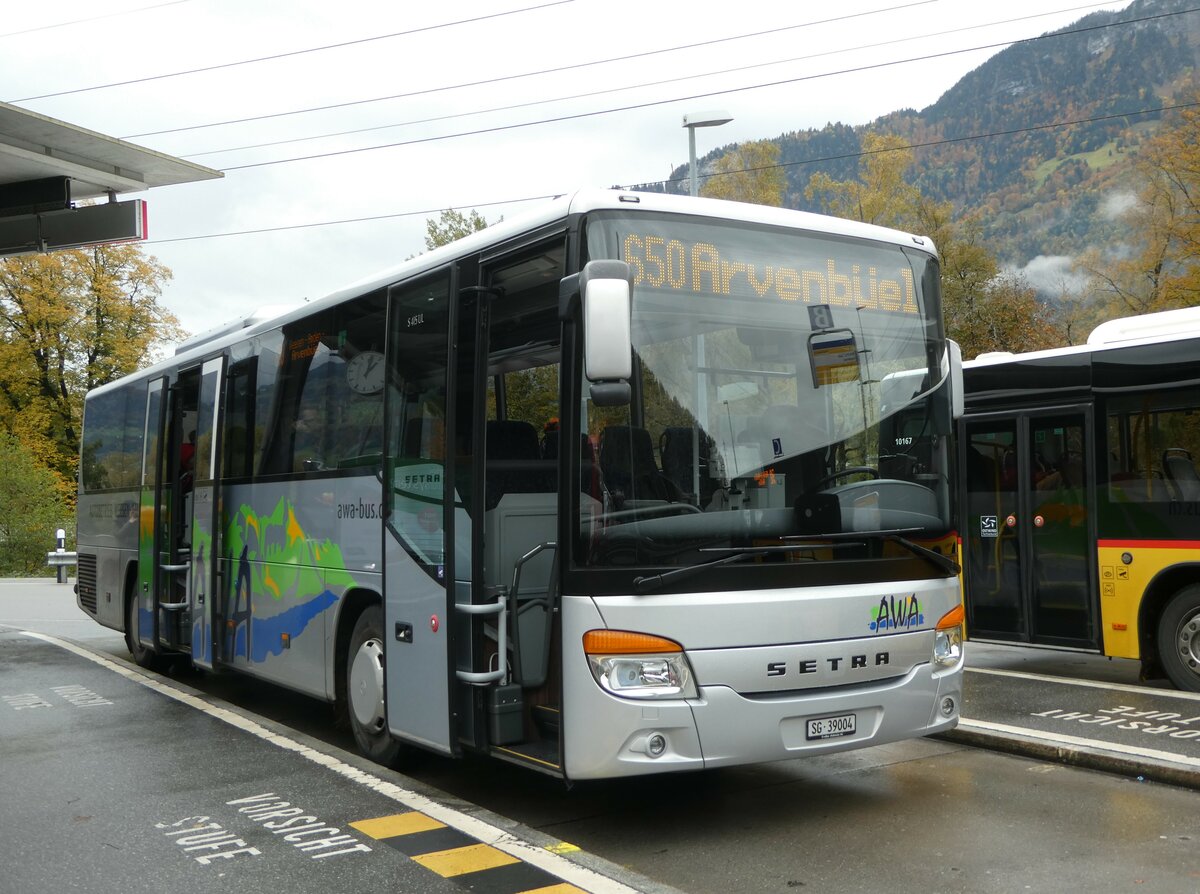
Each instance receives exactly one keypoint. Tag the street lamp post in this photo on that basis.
(691, 122)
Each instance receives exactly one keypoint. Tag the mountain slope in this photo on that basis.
(1038, 140)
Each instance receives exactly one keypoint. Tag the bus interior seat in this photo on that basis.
(628, 467)
(1181, 473)
(676, 446)
(514, 461)
(589, 471)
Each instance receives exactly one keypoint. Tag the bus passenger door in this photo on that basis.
(200, 474)
(154, 519)
(1027, 534)
(422, 513)
(165, 553)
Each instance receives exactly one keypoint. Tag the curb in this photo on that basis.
(1137, 767)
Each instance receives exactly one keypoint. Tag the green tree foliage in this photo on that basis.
(69, 322)
(451, 226)
(749, 173)
(31, 510)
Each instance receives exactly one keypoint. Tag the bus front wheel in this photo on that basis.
(365, 689)
(1179, 639)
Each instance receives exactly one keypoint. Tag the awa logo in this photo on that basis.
(897, 613)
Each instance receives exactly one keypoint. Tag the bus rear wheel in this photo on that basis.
(365, 674)
(1179, 639)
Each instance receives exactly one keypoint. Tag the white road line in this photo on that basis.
(568, 871)
(1077, 741)
(1092, 684)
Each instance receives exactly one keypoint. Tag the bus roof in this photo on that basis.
(1144, 329)
(558, 209)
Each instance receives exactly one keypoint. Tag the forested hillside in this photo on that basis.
(1038, 139)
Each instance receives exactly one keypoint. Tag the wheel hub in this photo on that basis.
(1188, 642)
(366, 686)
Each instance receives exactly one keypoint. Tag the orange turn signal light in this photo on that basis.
(953, 618)
(623, 642)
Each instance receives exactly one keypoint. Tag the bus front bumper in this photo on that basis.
(612, 737)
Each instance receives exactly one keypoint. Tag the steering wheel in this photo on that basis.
(846, 473)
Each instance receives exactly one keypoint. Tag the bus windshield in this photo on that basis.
(786, 386)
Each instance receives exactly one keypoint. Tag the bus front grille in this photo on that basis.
(85, 578)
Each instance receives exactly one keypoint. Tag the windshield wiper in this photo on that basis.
(895, 535)
(947, 564)
(646, 583)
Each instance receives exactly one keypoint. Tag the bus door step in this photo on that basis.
(546, 718)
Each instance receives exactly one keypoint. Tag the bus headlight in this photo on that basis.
(948, 638)
(638, 665)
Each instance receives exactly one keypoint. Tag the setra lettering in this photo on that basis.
(813, 666)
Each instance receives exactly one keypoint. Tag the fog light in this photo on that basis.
(656, 745)
(947, 706)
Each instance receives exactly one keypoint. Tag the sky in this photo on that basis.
(342, 127)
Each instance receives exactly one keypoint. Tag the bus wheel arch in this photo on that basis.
(1178, 638)
(360, 677)
(1162, 588)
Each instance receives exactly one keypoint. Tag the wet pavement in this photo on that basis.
(98, 761)
(1079, 709)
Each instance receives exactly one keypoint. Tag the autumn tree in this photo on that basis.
(749, 173)
(31, 510)
(1161, 270)
(69, 322)
(451, 226)
(881, 195)
(984, 309)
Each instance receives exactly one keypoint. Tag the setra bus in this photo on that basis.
(600, 491)
(1080, 497)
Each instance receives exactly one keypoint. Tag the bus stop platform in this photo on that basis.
(126, 777)
(1080, 709)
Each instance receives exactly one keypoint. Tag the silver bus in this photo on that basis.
(606, 490)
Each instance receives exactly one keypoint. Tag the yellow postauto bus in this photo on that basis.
(1080, 512)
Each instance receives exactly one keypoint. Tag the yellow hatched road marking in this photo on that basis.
(397, 824)
(461, 860)
(563, 888)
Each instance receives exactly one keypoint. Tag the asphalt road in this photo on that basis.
(923, 816)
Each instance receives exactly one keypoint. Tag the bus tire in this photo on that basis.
(1179, 639)
(365, 673)
(142, 656)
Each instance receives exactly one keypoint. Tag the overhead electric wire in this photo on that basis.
(292, 53)
(107, 15)
(708, 95)
(531, 74)
(609, 90)
(330, 223)
(809, 161)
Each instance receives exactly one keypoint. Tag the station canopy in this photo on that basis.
(59, 184)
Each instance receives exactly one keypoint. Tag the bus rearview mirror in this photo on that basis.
(606, 289)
